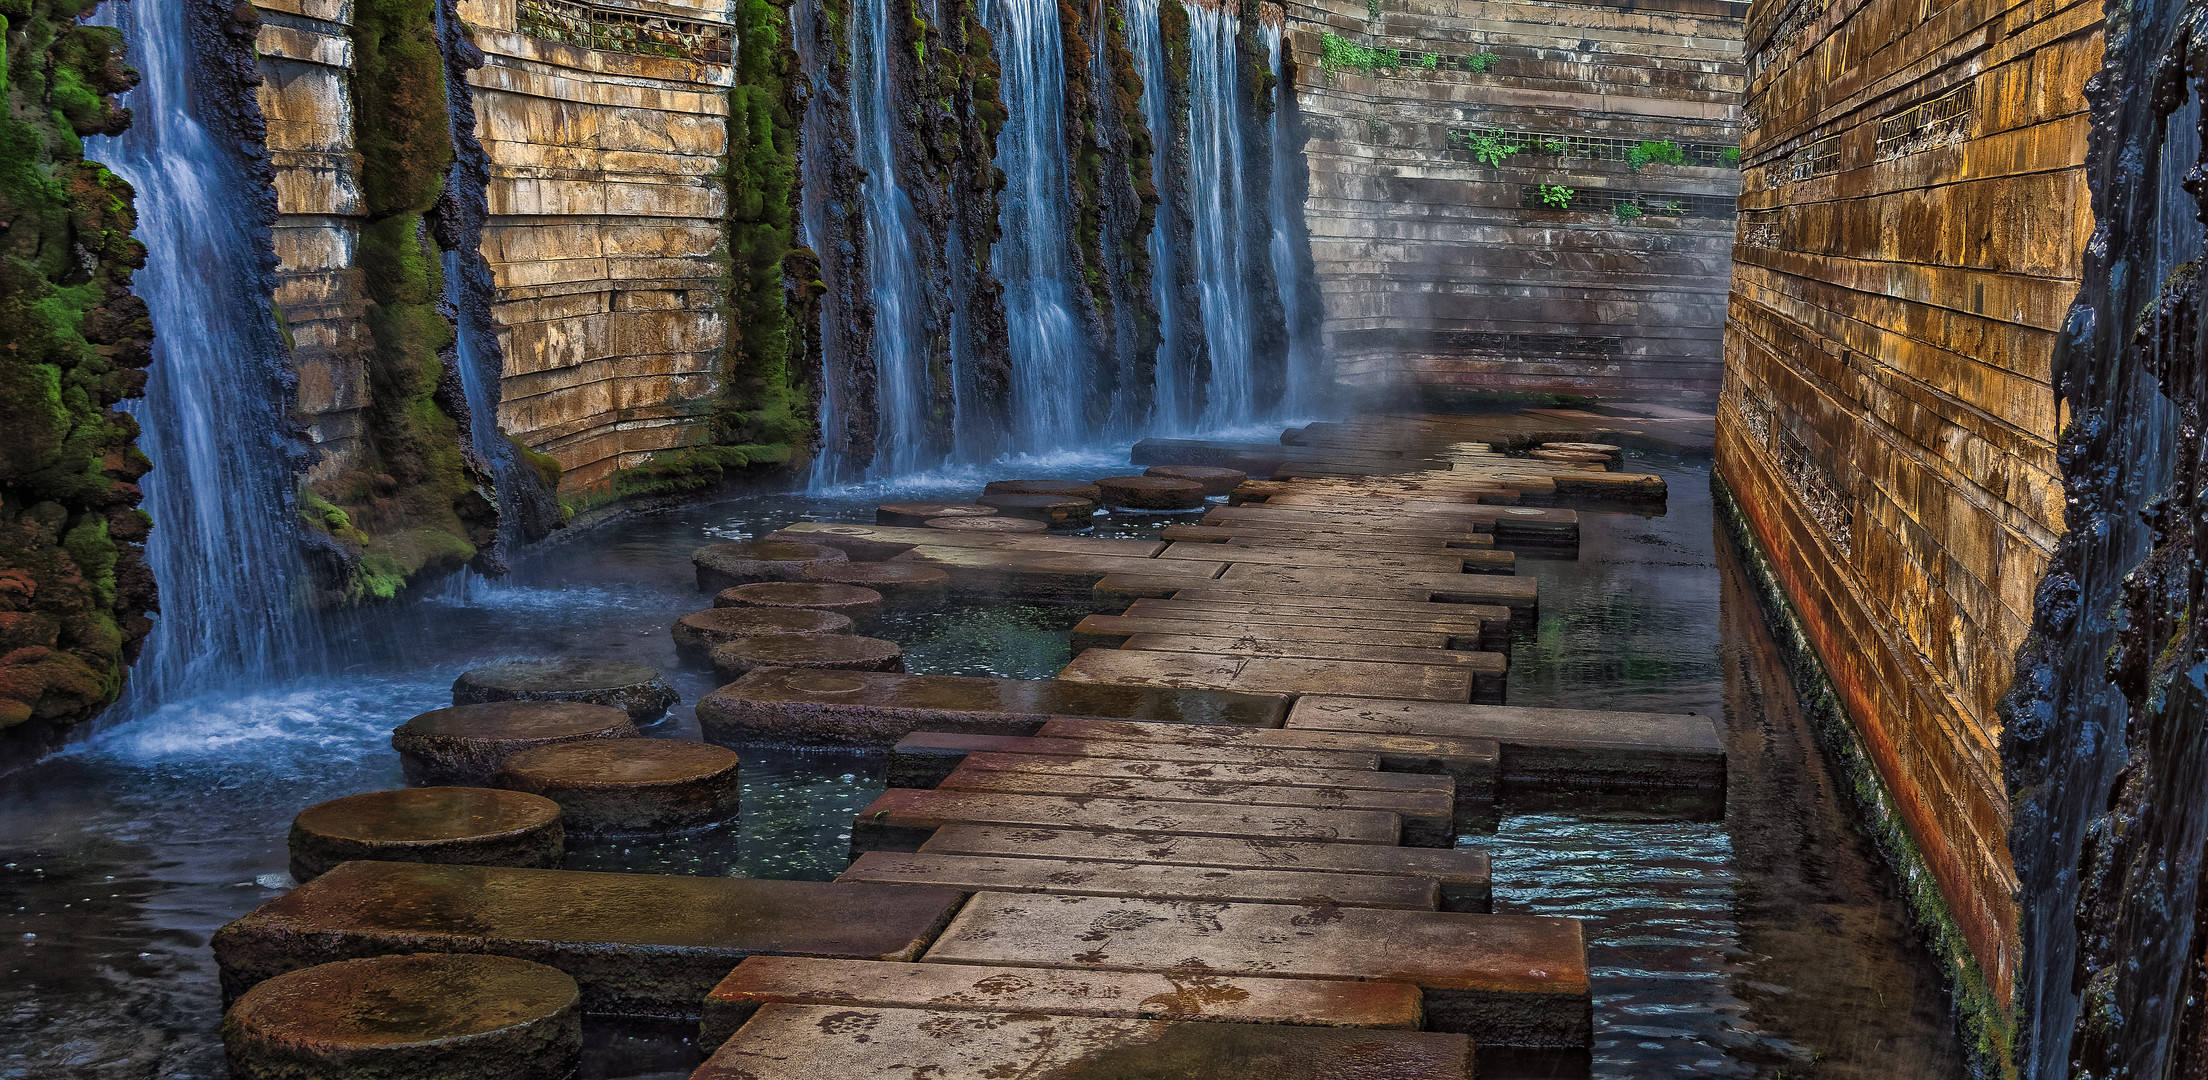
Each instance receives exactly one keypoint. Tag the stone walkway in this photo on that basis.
(1222, 843)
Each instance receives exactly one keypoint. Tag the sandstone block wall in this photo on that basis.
(306, 63)
(1440, 272)
(1912, 224)
(605, 231)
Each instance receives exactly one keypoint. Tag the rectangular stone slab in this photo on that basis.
(802, 1042)
(1046, 575)
(837, 534)
(877, 708)
(1504, 980)
(1147, 880)
(638, 944)
(1509, 590)
(1238, 773)
(1462, 873)
(1473, 763)
(861, 984)
(924, 758)
(1425, 612)
(1506, 522)
(1313, 556)
(1125, 587)
(1111, 631)
(1269, 675)
(902, 818)
(1546, 745)
(1426, 814)
(1484, 664)
(1444, 540)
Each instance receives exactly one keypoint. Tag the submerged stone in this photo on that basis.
(898, 582)
(633, 688)
(1065, 489)
(1062, 511)
(630, 786)
(1151, 493)
(465, 743)
(1215, 481)
(725, 622)
(987, 525)
(723, 565)
(426, 1016)
(479, 826)
(855, 601)
(839, 652)
(914, 513)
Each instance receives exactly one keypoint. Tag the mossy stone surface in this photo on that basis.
(478, 826)
(629, 786)
(465, 743)
(423, 1016)
(633, 688)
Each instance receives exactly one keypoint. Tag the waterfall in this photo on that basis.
(1215, 191)
(1171, 410)
(224, 547)
(894, 274)
(813, 232)
(1050, 354)
(1302, 390)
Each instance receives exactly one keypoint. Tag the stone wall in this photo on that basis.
(1443, 273)
(1912, 228)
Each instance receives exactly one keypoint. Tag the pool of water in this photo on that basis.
(1755, 940)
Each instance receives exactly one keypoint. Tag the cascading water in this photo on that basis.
(224, 545)
(1301, 392)
(894, 274)
(1171, 411)
(1215, 190)
(1050, 356)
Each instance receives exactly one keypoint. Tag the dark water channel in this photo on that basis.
(1756, 941)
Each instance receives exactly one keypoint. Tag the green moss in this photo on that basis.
(547, 467)
(401, 123)
(74, 591)
(679, 472)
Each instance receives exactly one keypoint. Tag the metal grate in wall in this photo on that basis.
(618, 30)
(1942, 121)
(1650, 204)
(1593, 147)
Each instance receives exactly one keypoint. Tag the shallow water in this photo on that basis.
(1754, 943)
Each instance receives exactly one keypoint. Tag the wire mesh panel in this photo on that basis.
(1942, 121)
(618, 30)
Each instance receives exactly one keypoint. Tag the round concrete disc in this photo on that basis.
(1214, 481)
(1056, 510)
(635, 688)
(914, 513)
(730, 619)
(723, 565)
(465, 743)
(854, 601)
(733, 660)
(896, 581)
(472, 825)
(639, 786)
(1068, 489)
(1151, 493)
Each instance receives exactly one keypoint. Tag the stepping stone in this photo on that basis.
(1426, 815)
(877, 709)
(1331, 539)
(878, 542)
(479, 826)
(465, 743)
(423, 1017)
(725, 623)
(1057, 511)
(1447, 561)
(1462, 873)
(861, 984)
(1607, 450)
(723, 565)
(1198, 601)
(924, 758)
(913, 513)
(1051, 575)
(855, 601)
(629, 786)
(1111, 631)
(1488, 670)
(989, 526)
(1214, 480)
(639, 944)
(902, 818)
(1505, 980)
(1238, 773)
(1504, 589)
(1065, 489)
(1151, 493)
(634, 688)
(1146, 880)
(733, 660)
(1269, 675)
(800, 1042)
(1552, 454)
(899, 583)
(1554, 746)
(1472, 763)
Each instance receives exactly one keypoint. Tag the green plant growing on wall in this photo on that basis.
(1430, 61)
(1557, 195)
(762, 400)
(1672, 207)
(1655, 152)
(1558, 147)
(1626, 210)
(1732, 156)
(1490, 148)
(1479, 63)
(1372, 10)
(1337, 52)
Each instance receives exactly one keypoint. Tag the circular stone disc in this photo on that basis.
(988, 525)
(736, 658)
(463, 744)
(471, 825)
(891, 579)
(855, 601)
(426, 1016)
(623, 685)
(727, 621)
(1151, 493)
(1215, 481)
(1067, 489)
(917, 512)
(652, 785)
(722, 565)
(1049, 509)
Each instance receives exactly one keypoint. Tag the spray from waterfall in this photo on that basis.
(1217, 198)
(224, 547)
(1301, 392)
(1171, 409)
(894, 274)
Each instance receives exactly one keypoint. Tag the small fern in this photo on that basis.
(1557, 195)
(1490, 148)
(1657, 152)
(1479, 62)
(1626, 211)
